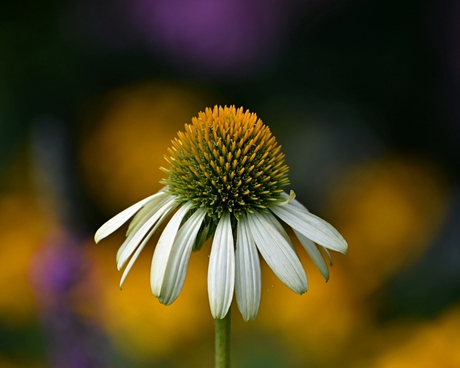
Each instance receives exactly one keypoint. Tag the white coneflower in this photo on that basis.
(225, 179)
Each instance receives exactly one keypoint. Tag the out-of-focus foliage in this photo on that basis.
(122, 156)
(416, 343)
(389, 210)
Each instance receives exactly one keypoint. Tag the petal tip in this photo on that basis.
(97, 237)
(303, 290)
(344, 249)
(249, 317)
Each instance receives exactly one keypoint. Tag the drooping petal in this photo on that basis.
(136, 236)
(247, 272)
(146, 213)
(142, 245)
(221, 271)
(163, 249)
(278, 253)
(311, 226)
(268, 216)
(117, 221)
(179, 258)
(328, 255)
(314, 254)
(297, 204)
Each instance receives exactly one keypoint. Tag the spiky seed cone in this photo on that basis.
(226, 160)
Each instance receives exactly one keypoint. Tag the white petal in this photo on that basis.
(136, 236)
(328, 255)
(297, 204)
(314, 254)
(268, 216)
(163, 249)
(278, 253)
(141, 246)
(247, 276)
(141, 218)
(311, 226)
(117, 221)
(179, 257)
(145, 212)
(221, 271)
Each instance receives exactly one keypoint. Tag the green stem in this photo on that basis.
(223, 342)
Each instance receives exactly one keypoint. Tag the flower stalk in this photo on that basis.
(222, 329)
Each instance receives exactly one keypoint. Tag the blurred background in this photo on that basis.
(363, 97)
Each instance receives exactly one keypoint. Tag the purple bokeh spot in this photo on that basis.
(223, 38)
(216, 35)
(58, 267)
(62, 280)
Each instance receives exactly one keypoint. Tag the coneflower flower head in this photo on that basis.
(226, 174)
(226, 161)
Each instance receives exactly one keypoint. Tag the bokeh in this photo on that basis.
(362, 95)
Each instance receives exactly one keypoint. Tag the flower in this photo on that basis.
(225, 179)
